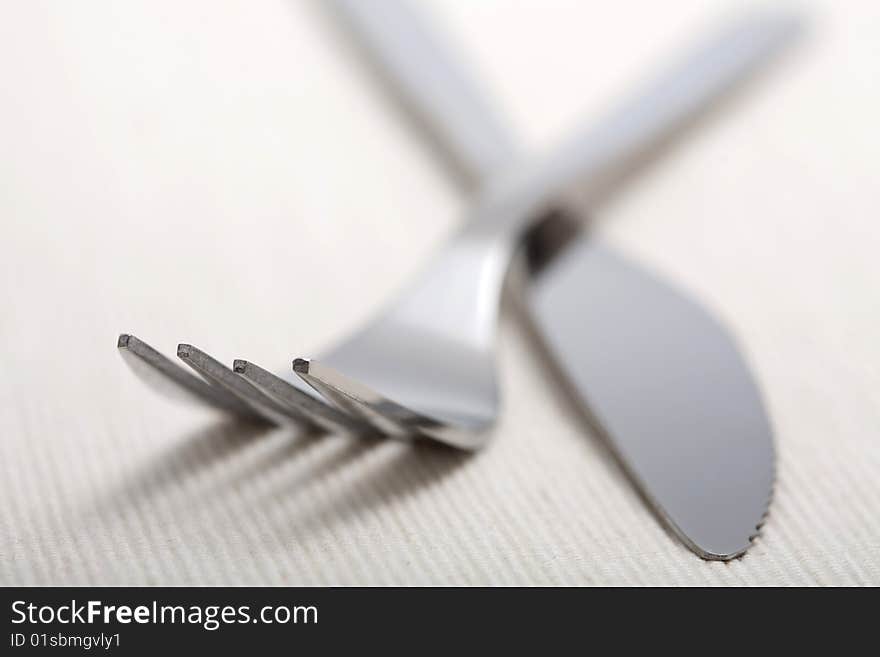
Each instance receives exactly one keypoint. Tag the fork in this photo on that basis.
(425, 366)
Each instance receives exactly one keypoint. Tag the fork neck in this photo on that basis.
(512, 203)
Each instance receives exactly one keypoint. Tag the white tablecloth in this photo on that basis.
(226, 174)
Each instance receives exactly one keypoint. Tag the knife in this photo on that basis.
(658, 376)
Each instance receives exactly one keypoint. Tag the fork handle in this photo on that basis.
(435, 87)
(596, 159)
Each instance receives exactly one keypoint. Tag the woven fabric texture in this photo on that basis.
(227, 174)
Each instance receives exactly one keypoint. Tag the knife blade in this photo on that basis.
(660, 378)
(666, 385)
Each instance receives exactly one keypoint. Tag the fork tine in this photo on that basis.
(387, 416)
(317, 410)
(171, 380)
(217, 373)
(352, 401)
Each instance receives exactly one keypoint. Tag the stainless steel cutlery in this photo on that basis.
(660, 379)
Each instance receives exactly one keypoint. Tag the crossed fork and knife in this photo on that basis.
(660, 379)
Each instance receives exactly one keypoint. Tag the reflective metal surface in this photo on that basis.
(435, 89)
(666, 385)
(169, 379)
(287, 395)
(661, 379)
(426, 364)
(224, 378)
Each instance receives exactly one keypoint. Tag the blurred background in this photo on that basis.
(229, 174)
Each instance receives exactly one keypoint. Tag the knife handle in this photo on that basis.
(432, 85)
(436, 89)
